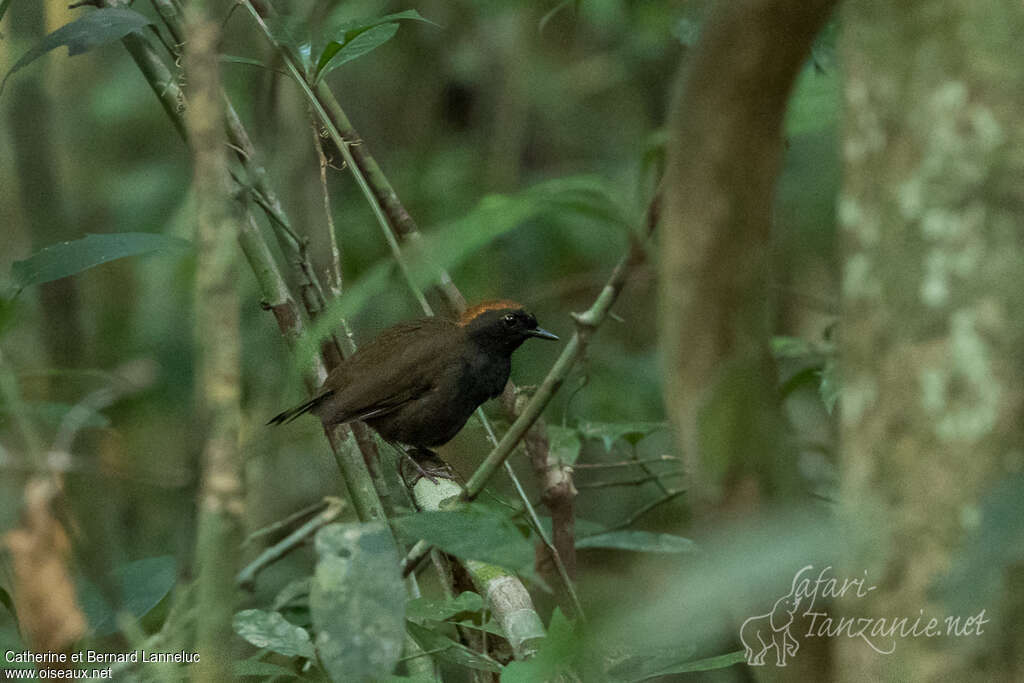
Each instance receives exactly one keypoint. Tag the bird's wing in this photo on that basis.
(398, 366)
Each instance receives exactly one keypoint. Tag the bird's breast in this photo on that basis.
(484, 377)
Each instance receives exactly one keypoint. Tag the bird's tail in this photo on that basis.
(292, 413)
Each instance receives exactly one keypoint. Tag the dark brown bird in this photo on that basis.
(418, 382)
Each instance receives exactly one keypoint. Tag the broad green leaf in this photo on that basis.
(4, 4)
(254, 667)
(807, 375)
(490, 626)
(68, 258)
(357, 601)
(583, 527)
(610, 432)
(472, 532)
(96, 28)
(557, 658)
(790, 347)
(337, 54)
(564, 444)
(140, 586)
(54, 413)
(640, 541)
(424, 609)
(295, 591)
(814, 104)
(249, 61)
(345, 41)
(450, 651)
(273, 632)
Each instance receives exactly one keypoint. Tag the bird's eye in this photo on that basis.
(509, 320)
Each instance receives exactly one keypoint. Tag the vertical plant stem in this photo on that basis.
(334, 277)
(217, 336)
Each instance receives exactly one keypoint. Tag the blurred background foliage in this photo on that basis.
(491, 97)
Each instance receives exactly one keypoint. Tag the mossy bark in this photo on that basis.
(933, 317)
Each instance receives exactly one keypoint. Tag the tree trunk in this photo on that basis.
(933, 326)
(723, 159)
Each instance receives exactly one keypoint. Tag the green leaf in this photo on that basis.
(254, 667)
(639, 541)
(424, 609)
(610, 432)
(829, 385)
(272, 631)
(791, 347)
(808, 375)
(472, 532)
(352, 39)
(140, 586)
(814, 104)
(556, 659)
(4, 4)
(450, 651)
(564, 444)
(336, 54)
(294, 592)
(91, 30)
(357, 601)
(68, 258)
(248, 61)
(54, 413)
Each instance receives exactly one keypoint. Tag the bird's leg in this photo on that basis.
(426, 463)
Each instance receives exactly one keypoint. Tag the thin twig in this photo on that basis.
(321, 101)
(587, 324)
(287, 522)
(624, 463)
(555, 555)
(334, 280)
(627, 482)
(644, 509)
(247, 577)
(343, 146)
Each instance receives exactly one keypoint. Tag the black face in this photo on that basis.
(506, 329)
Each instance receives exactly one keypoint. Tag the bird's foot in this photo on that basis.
(423, 462)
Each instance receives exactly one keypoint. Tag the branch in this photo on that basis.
(586, 324)
(276, 294)
(721, 167)
(222, 502)
(503, 592)
(246, 578)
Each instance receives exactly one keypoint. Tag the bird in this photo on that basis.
(418, 382)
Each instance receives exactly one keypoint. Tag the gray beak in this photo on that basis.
(541, 333)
